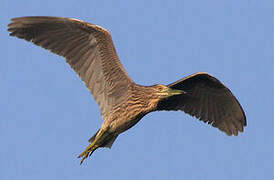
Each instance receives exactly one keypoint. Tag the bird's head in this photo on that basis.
(164, 91)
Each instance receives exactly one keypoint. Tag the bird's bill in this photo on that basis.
(172, 92)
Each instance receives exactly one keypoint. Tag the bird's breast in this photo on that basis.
(126, 116)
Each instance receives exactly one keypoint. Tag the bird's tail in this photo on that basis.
(107, 143)
(93, 137)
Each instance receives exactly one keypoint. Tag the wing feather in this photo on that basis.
(87, 48)
(209, 100)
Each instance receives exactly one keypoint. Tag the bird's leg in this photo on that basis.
(93, 145)
(88, 151)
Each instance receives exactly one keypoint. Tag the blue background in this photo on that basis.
(47, 114)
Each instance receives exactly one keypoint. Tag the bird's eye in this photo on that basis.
(160, 88)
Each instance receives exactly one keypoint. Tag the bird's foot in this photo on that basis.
(93, 146)
(88, 151)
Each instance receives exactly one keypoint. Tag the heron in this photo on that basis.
(89, 50)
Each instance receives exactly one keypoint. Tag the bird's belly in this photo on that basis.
(120, 125)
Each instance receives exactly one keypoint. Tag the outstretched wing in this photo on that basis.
(87, 48)
(209, 100)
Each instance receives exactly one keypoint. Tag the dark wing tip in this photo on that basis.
(210, 101)
(18, 25)
(232, 125)
(23, 23)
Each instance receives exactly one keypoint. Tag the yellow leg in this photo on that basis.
(92, 147)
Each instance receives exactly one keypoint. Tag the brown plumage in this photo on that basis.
(89, 50)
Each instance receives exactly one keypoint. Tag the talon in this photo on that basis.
(97, 142)
(82, 160)
(89, 150)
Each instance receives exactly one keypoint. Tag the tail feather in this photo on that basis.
(93, 137)
(108, 142)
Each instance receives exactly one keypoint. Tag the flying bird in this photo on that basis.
(90, 52)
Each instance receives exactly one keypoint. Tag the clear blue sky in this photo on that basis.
(47, 114)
